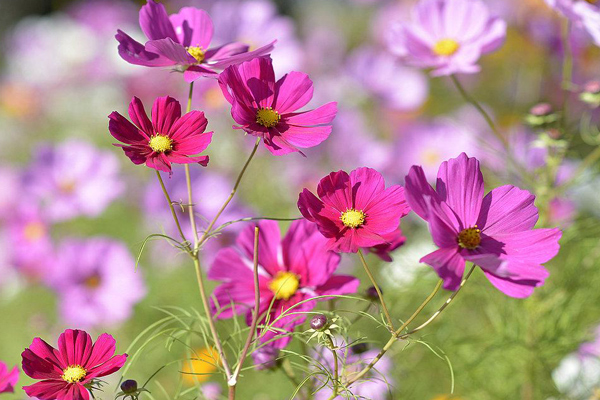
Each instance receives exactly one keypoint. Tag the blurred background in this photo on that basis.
(74, 212)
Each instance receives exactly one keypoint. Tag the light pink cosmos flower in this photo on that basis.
(448, 36)
(354, 210)
(66, 372)
(8, 379)
(494, 232)
(182, 39)
(583, 13)
(267, 108)
(168, 138)
(73, 179)
(293, 269)
(96, 282)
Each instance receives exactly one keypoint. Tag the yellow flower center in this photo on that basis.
(469, 238)
(267, 117)
(161, 143)
(284, 285)
(34, 231)
(592, 1)
(93, 281)
(197, 52)
(74, 373)
(446, 47)
(353, 218)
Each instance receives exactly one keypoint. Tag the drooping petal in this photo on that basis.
(138, 116)
(193, 27)
(123, 130)
(305, 136)
(339, 284)
(294, 91)
(443, 225)
(171, 50)
(47, 389)
(155, 22)
(135, 53)
(226, 61)
(519, 289)
(460, 185)
(449, 266)
(507, 209)
(108, 367)
(165, 112)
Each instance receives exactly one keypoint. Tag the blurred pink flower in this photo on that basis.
(96, 282)
(292, 270)
(448, 36)
(494, 232)
(168, 138)
(267, 108)
(67, 372)
(354, 210)
(10, 182)
(72, 179)
(583, 13)
(8, 379)
(182, 39)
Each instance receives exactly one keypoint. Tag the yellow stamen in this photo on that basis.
(446, 47)
(353, 218)
(34, 231)
(74, 373)
(469, 238)
(284, 285)
(267, 117)
(197, 52)
(93, 281)
(161, 143)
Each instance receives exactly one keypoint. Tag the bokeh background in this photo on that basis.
(74, 212)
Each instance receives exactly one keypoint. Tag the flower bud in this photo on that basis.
(129, 386)
(371, 293)
(541, 115)
(591, 94)
(359, 348)
(318, 322)
(265, 358)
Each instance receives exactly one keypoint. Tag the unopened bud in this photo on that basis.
(360, 348)
(129, 386)
(371, 293)
(541, 115)
(318, 322)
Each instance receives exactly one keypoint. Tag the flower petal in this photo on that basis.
(294, 91)
(165, 112)
(138, 116)
(507, 209)
(418, 191)
(135, 53)
(103, 350)
(155, 22)
(321, 115)
(193, 27)
(123, 130)
(449, 266)
(75, 346)
(269, 245)
(171, 50)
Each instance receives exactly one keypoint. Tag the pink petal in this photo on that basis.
(103, 350)
(443, 225)
(47, 389)
(171, 50)
(519, 289)
(507, 209)
(194, 144)
(269, 245)
(185, 159)
(194, 72)
(138, 116)
(367, 184)
(165, 112)
(306, 136)
(135, 53)
(193, 27)
(108, 367)
(322, 115)
(123, 130)
(192, 123)
(294, 91)
(339, 284)
(154, 21)
(336, 190)
(226, 50)
(75, 346)
(418, 191)
(449, 266)
(242, 57)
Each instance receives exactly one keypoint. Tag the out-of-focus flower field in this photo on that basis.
(76, 214)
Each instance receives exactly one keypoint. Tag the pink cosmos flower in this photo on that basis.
(65, 372)
(355, 210)
(584, 14)
(183, 40)
(293, 269)
(168, 138)
(448, 36)
(494, 232)
(96, 282)
(8, 379)
(267, 108)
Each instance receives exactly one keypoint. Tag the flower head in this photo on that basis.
(354, 210)
(494, 231)
(293, 269)
(182, 39)
(168, 138)
(448, 36)
(267, 108)
(69, 371)
(8, 378)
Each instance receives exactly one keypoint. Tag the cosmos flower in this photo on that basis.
(392, 241)
(168, 138)
(448, 36)
(73, 179)
(494, 232)
(69, 371)
(583, 13)
(183, 40)
(267, 108)
(375, 385)
(96, 282)
(293, 269)
(8, 379)
(355, 210)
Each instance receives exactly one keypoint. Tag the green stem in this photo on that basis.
(336, 371)
(173, 213)
(372, 278)
(188, 180)
(567, 71)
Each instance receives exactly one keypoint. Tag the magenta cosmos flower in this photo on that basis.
(267, 108)
(293, 269)
(494, 232)
(168, 138)
(183, 40)
(8, 379)
(448, 35)
(67, 372)
(355, 210)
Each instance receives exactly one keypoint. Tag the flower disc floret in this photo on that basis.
(284, 285)
(446, 47)
(74, 373)
(197, 52)
(267, 117)
(353, 218)
(469, 238)
(161, 143)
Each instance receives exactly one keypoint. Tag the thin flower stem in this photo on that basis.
(336, 371)
(233, 191)
(567, 70)
(470, 99)
(188, 179)
(372, 278)
(397, 334)
(173, 213)
(255, 315)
